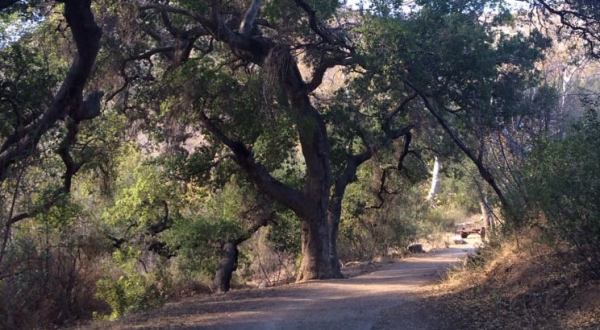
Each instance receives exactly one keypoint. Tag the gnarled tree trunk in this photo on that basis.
(311, 203)
(230, 253)
(281, 74)
(316, 251)
(318, 243)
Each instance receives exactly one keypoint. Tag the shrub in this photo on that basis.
(563, 183)
(49, 271)
(129, 293)
(366, 231)
(46, 286)
(199, 241)
(135, 289)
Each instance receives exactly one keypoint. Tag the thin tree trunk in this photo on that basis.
(335, 205)
(435, 180)
(486, 211)
(488, 218)
(229, 255)
(227, 265)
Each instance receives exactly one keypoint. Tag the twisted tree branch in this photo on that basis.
(68, 100)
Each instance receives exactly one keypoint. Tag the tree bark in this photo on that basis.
(316, 248)
(68, 100)
(486, 214)
(230, 253)
(435, 180)
(318, 234)
(335, 205)
(227, 265)
(333, 223)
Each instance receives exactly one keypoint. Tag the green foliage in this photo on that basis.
(143, 197)
(135, 289)
(369, 228)
(446, 51)
(441, 219)
(563, 182)
(459, 187)
(284, 236)
(60, 216)
(18, 19)
(129, 293)
(26, 81)
(199, 242)
(144, 207)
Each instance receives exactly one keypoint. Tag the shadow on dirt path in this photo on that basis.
(356, 303)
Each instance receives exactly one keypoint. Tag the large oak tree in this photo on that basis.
(251, 75)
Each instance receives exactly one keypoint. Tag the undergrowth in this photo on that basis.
(524, 284)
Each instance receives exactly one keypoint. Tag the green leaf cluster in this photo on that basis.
(563, 182)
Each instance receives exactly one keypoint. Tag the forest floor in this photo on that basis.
(388, 298)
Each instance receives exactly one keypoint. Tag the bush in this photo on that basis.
(46, 287)
(49, 271)
(198, 242)
(563, 183)
(366, 232)
(129, 293)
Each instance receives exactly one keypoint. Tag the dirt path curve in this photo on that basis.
(362, 302)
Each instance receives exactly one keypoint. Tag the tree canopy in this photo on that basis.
(173, 132)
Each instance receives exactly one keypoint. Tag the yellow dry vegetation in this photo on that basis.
(522, 283)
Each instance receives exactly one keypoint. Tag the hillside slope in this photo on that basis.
(525, 286)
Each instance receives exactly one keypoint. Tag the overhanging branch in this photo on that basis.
(483, 171)
(258, 173)
(324, 65)
(68, 100)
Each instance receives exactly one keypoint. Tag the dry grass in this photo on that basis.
(529, 285)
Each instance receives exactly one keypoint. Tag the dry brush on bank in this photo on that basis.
(524, 284)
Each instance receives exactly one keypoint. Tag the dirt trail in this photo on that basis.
(362, 302)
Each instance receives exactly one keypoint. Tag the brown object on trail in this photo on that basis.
(416, 248)
(464, 233)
